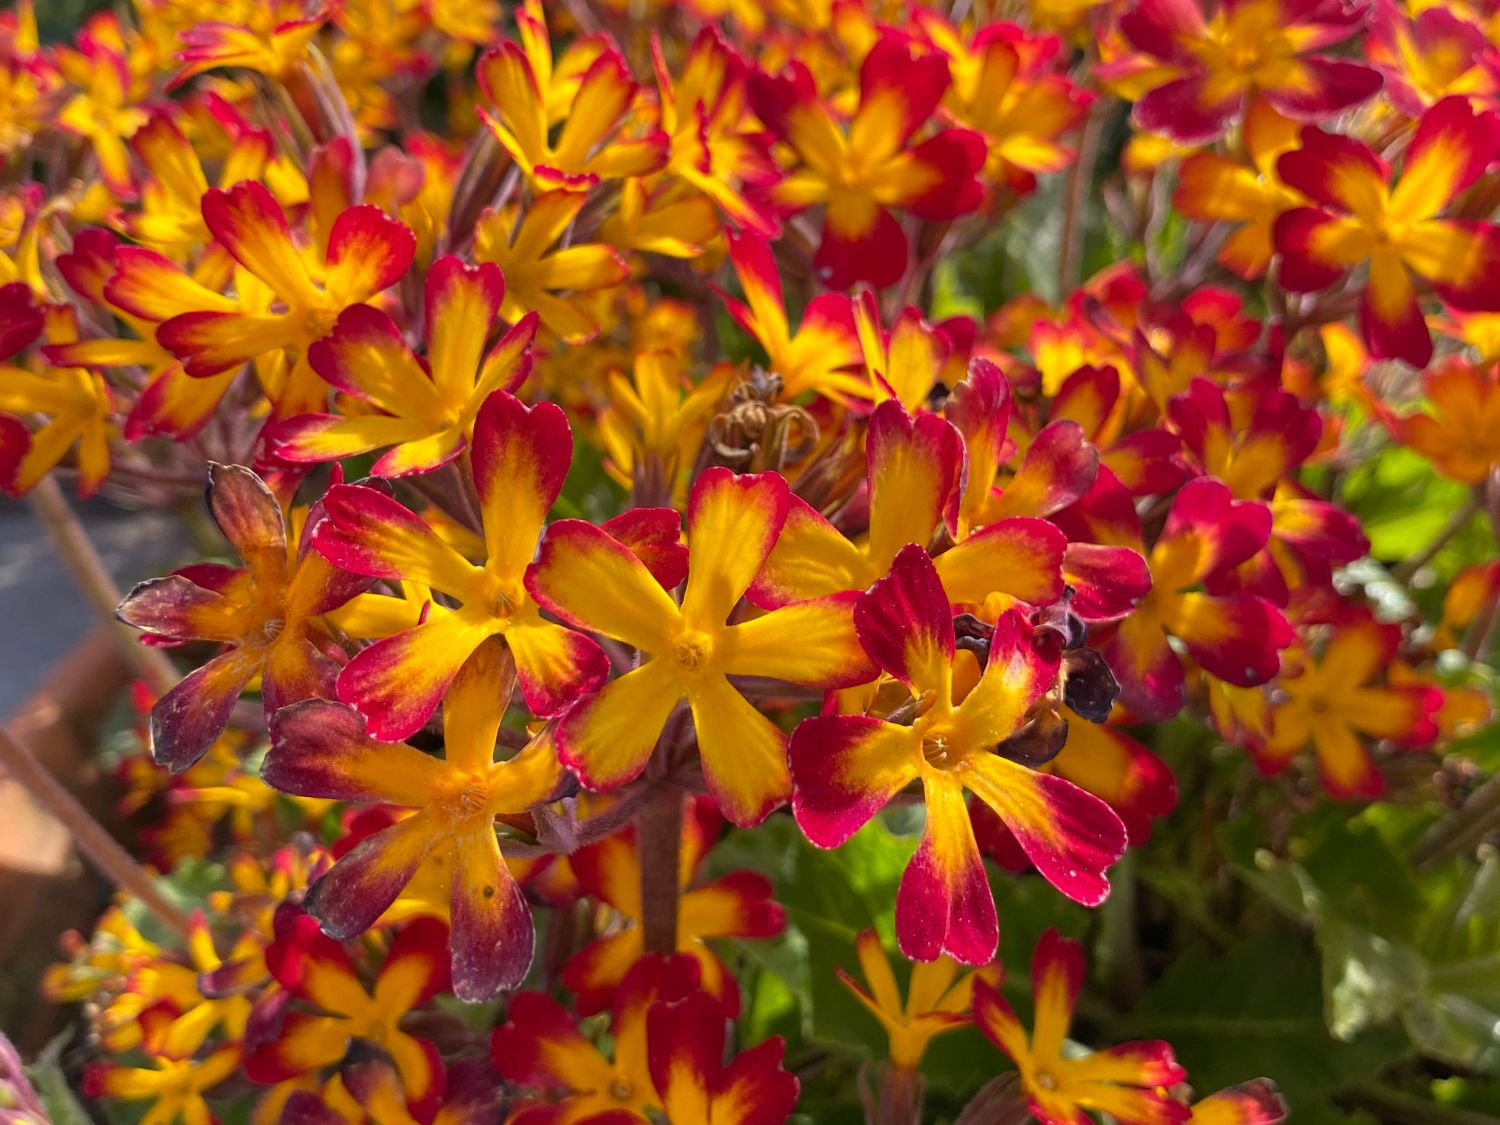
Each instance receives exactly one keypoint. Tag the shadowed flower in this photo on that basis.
(174, 1087)
(937, 999)
(1128, 1082)
(738, 905)
(1332, 703)
(320, 749)
(539, 263)
(266, 611)
(1461, 435)
(318, 971)
(686, 1040)
(540, 1046)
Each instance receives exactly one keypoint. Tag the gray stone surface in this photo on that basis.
(42, 614)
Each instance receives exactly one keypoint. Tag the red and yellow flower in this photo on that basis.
(847, 767)
(1208, 59)
(1333, 703)
(519, 457)
(1129, 1082)
(541, 1048)
(587, 577)
(1236, 637)
(426, 410)
(319, 972)
(320, 749)
(1358, 217)
(914, 468)
(366, 252)
(738, 905)
(1216, 189)
(267, 611)
(859, 174)
(817, 357)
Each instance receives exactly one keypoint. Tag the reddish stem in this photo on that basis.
(658, 832)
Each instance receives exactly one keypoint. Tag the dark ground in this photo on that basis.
(42, 615)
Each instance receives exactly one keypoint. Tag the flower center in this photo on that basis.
(941, 745)
(318, 323)
(938, 752)
(1045, 1080)
(506, 597)
(621, 1090)
(468, 800)
(691, 650)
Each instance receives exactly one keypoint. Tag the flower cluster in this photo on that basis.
(624, 436)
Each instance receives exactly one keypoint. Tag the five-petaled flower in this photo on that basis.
(1461, 435)
(937, 999)
(1208, 60)
(591, 145)
(587, 577)
(520, 456)
(847, 767)
(366, 252)
(268, 611)
(320, 749)
(1236, 637)
(1332, 703)
(1356, 217)
(318, 971)
(426, 409)
(860, 174)
(1128, 1082)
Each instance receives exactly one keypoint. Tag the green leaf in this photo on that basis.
(1425, 954)
(1401, 501)
(1256, 1010)
(830, 896)
(52, 1087)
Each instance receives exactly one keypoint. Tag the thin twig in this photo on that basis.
(95, 582)
(1401, 1108)
(1076, 192)
(93, 840)
(1463, 828)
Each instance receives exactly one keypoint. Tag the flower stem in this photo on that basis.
(93, 840)
(1075, 201)
(658, 829)
(898, 1101)
(1461, 829)
(94, 580)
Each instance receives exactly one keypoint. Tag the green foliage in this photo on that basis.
(1253, 1010)
(51, 1084)
(1418, 950)
(1403, 504)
